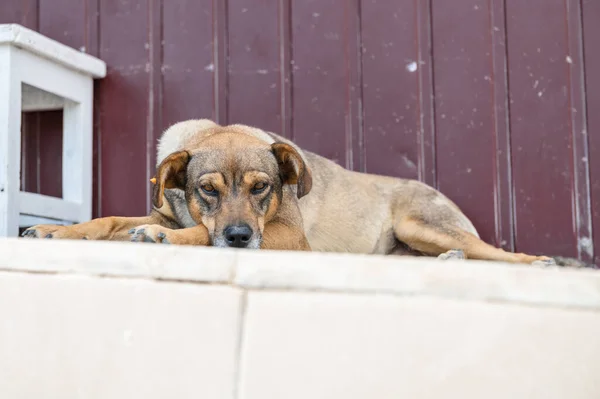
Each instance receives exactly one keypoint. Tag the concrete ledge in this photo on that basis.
(329, 272)
(121, 320)
(163, 262)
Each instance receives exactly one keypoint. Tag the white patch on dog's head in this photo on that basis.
(175, 137)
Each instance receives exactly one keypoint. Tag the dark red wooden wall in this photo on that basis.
(495, 102)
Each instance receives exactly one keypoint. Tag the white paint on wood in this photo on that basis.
(37, 73)
(77, 154)
(10, 141)
(34, 99)
(51, 77)
(28, 221)
(48, 207)
(52, 50)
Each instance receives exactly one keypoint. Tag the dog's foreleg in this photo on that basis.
(108, 228)
(197, 235)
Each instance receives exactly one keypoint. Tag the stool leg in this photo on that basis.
(77, 155)
(10, 143)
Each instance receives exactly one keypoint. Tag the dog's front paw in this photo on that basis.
(50, 231)
(150, 233)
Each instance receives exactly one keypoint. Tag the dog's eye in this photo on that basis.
(259, 188)
(208, 189)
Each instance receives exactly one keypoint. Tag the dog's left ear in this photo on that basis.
(292, 168)
(171, 173)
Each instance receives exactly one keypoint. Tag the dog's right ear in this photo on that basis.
(171, 173)
(292, 168)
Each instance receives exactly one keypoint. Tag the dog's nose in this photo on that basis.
(238, 236)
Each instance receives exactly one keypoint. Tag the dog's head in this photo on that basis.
(233, 184)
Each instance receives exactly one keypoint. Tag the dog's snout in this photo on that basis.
(238, 236)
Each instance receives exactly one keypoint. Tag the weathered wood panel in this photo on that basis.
(323, 33)
(591, 32)
(390, 87)
(127, 129)
(254, 64)
(187, 71)
(464, 102)
(541, 135)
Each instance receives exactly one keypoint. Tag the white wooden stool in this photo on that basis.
(36, 74)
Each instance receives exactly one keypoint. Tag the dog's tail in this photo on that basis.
(572, 262)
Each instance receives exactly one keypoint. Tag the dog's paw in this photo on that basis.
(150, 233)
(453, 254)
(49, 231)
(544, 261)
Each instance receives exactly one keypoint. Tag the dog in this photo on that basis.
(239, 186)
(226, 187)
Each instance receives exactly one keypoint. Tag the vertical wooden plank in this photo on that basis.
(391, 87)
(187, 70)
(11, 12)
(22, 12)
(502, 178)
(285, 65)
(50, 156)
(220, 62)
(123, 101)
(155, 90)
(591, 31)
(355, 138)
(427, 169)
(254, 64)
(25, 12)
(577, 113)
(30, 150)
(464, 109)
(322, 76)
(92, 18)
(63, 21)
(540, 126)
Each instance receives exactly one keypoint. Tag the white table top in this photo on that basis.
(43, 46)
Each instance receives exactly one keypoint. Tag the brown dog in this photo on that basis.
(237, 186)
(216, 186)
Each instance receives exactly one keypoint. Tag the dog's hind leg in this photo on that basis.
(435, 240)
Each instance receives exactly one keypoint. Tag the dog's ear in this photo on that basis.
(171, 173)
(292, 168)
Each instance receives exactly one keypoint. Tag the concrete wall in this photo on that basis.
(110, 320)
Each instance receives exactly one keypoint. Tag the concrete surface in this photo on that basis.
(119, 320)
